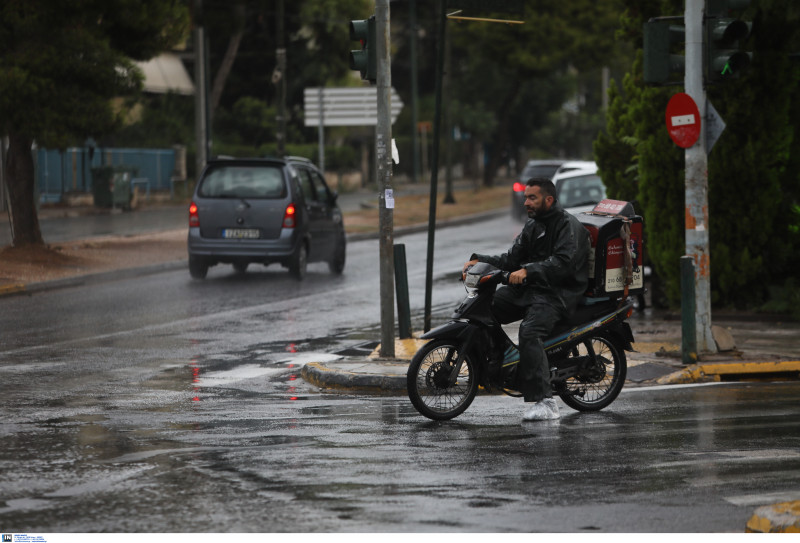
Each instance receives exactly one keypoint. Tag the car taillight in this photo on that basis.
(519, 187)
(194, 218)
(288, 216)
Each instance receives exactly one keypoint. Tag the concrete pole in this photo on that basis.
(697, 238)
(383, 162)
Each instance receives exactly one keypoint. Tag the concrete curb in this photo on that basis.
(321, 376)
(102, 277)
(715, 372)
(361, 374)
(13, 288)
(777, 518)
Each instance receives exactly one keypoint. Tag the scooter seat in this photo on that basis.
(587, 310)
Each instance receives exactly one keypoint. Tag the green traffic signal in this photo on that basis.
(724, 35)
(365, 59)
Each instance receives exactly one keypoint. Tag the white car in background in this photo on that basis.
(578, 187)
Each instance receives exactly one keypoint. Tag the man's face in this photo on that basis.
(536, 202)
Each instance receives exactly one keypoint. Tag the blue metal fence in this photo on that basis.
(60, 172)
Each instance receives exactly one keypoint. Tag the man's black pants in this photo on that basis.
(538, 320)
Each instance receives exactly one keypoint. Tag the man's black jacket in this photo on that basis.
(554, 249)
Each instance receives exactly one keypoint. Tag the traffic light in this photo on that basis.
(660, 40)
(364, 60)
(724, 37)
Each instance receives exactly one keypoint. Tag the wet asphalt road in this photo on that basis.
(268, 455)
(161, 404)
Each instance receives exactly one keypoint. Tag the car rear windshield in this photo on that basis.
(581, 190)
(243, 182)
(540, 170)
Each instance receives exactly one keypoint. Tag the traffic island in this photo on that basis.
(381, 376)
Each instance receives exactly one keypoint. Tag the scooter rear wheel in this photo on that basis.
(428, 381)
(600, 381)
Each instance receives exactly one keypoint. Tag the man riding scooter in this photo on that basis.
(549, 274)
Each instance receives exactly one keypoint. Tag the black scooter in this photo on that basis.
(586, 353)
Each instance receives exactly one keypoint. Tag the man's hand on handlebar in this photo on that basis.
(518, 277)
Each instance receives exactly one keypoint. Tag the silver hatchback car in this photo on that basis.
(271, 210)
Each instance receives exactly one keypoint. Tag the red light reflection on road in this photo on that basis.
(195, 379)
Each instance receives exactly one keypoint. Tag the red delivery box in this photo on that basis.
(610, 224)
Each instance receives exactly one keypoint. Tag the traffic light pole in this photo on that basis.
(697, 224)
(383, 160)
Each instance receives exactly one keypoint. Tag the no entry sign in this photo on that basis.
(683, 120)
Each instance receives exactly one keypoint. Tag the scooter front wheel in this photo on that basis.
(429, 381)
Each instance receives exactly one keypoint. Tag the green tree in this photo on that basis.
(753, 188)
(61, 63)
(501, 68)
(317, 43)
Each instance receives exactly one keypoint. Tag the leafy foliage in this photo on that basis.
(522, 74)
(62, 62)
(752, 170)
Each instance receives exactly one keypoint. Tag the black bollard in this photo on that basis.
(401, 288)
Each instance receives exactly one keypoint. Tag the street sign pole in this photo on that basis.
(696, 192)
(383, 161)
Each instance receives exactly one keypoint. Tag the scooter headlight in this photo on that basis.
(472, 280)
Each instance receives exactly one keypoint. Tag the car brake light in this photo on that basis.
(288, 216)
(519, 187)
(194, 218)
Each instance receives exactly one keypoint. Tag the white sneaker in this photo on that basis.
(547, 409)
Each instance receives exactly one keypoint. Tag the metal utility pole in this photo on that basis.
(279, 79)
(383, 162)
(200, 95)
(696, 157)
(435, 163)
(412, 20)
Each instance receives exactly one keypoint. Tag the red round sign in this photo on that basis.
(683, 120)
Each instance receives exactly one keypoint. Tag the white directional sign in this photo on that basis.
(346, 106)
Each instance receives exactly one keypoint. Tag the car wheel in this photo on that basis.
(336, 263)
(299, 262)
(198, 268)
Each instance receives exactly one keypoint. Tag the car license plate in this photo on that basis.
(241, 233)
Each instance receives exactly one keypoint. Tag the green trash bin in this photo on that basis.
(101, 185)
(111, 186)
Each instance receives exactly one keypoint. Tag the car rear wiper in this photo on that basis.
(230, 195)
